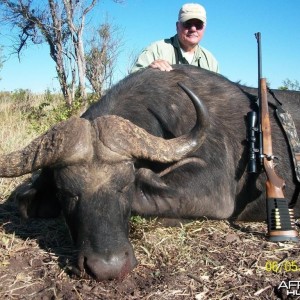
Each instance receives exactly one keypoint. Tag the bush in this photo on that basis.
(34, 114)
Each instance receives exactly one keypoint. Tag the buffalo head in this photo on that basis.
(92, 169)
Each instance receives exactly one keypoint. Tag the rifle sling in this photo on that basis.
(289, 128)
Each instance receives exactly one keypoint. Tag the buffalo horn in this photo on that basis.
(66, 143)
(125, 138)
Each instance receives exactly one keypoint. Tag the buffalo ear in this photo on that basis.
(25, 202)
(66, 143)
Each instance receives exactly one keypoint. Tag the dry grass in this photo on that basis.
(197, 260)
(15, 128)
(14, 133)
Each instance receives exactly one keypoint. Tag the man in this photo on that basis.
(183, 48)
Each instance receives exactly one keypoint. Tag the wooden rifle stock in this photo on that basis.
(274, 184)
(279, 215)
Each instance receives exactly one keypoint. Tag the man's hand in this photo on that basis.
(160, 64)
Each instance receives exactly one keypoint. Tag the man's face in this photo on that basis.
(190, 33)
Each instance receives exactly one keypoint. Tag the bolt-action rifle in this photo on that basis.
(279, 215)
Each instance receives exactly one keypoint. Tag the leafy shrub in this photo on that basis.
(22, 100)
(51, 110)
(38, 112)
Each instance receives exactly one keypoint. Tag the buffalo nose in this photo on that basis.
(108, 267)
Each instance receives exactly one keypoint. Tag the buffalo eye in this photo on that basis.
(72, 203)
(68, 201)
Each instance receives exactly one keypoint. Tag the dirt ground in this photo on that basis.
(197, 260)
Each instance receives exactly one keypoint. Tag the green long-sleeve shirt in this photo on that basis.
(169, 50)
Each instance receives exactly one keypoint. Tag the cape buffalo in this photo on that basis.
(146, 149)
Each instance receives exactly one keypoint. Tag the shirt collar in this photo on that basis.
(176, 44)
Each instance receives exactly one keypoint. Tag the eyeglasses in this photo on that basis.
(189, 24)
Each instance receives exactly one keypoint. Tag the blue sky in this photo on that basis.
(229, 36)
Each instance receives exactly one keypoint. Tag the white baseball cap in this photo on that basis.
(192, 11)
